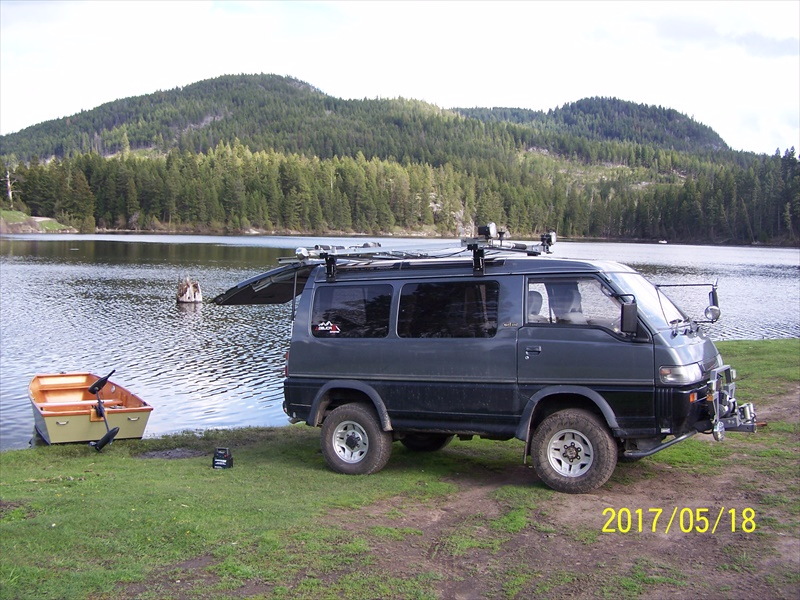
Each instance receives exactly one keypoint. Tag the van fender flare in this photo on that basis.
(321, 401)
(524, 432)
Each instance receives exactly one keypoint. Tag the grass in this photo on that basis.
(764, 368)
(68, 511)
(15, 216)
(79, 524)
(642, 577)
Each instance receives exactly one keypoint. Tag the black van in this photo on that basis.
(585, 361)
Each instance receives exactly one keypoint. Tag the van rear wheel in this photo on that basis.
(353, 442)
(426, 442)
(573, 451)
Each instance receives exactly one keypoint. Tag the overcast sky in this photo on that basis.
(734, 66)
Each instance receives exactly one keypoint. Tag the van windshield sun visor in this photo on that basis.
(278, 286)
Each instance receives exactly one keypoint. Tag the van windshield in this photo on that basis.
(657, 309)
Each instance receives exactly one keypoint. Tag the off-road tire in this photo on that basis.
(353, 442)
(426, 442)
(577, 435)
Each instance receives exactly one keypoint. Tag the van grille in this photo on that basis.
(664, 407)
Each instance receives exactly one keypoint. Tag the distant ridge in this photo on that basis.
(613, 119)
(272, 112)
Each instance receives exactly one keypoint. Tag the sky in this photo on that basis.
(734, 66)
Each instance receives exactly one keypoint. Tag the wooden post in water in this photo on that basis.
(189, 292)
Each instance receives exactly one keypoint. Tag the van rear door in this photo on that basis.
(277, 286)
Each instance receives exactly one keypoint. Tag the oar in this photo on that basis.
(101, 410)
(110, 433)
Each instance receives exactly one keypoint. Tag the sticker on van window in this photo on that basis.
(329, 327)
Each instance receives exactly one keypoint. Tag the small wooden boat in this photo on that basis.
(65, 408)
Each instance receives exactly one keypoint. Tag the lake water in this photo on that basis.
(102, 302)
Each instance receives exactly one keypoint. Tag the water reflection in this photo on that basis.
(75, 303)
(95, 305)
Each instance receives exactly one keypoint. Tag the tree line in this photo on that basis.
(232, 188)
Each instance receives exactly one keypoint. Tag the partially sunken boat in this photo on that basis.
(65, 408)
(189, 292)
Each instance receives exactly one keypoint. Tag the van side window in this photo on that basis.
(351, 311)
(580, 301)
(461, 309)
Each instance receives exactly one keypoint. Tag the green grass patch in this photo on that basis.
(642, 579)
(67, 512)
(586, 536)
(471, 535)
(519, 502)
(50, 226)
(765, 368)
(69, 509)
(13, 216)
(516, 579)
(698, 456)
(555, 580)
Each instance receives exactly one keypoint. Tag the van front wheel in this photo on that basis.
(353, 442)
(573, 451)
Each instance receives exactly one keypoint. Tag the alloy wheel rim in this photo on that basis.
(570, 453)
(350, 441)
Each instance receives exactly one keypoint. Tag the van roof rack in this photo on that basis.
(489, 238)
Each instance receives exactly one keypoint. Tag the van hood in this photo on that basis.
(685, 350)
(277, 286)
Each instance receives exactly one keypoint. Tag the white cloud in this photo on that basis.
(735, 66)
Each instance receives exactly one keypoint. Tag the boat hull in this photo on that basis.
(65, 411)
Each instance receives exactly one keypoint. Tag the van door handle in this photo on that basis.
(532, 350)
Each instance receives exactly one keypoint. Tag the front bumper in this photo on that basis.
(720, 411)
(727, 413)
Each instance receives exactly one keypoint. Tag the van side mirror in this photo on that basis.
(713, 312)
(713, 299)
(629, 319)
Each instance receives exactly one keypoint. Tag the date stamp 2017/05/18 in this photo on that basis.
(683, 520)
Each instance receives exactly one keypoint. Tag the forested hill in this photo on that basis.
(269, 112)
(612, 119)
(265, 153)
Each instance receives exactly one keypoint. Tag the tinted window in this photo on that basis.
(351, 311)
(448, 310)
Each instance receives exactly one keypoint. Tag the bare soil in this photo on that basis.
(563, 552)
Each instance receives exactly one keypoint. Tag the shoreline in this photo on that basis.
(33, 226)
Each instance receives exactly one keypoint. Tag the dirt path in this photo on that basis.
(565, 553)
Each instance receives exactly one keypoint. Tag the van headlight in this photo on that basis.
(682, 375)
